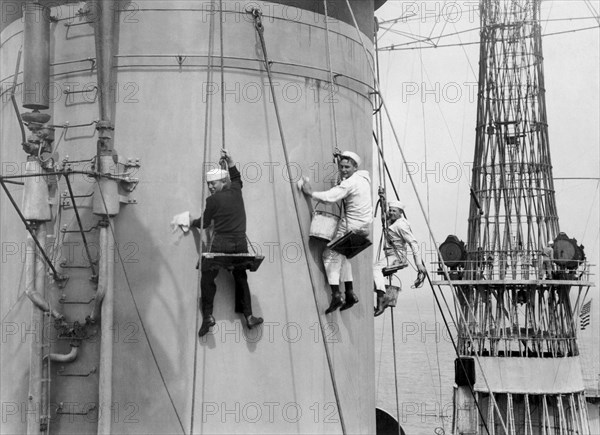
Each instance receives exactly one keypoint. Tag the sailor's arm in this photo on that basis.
(332, 195)
(234, 173)
(208, 215)
(409, 238)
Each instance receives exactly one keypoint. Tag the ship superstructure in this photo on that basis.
(518, 281)
(120, 108)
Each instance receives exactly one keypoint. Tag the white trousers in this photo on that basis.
(378, 278)
(337, 266)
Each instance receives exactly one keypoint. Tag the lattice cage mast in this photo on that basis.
(513, 277)
(515, 216)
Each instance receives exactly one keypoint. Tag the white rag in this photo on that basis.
(300, 182)
(180, 225)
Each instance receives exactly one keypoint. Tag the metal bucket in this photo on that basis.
(391, 294)
(323, 225)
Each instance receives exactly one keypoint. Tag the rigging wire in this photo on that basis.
(382, 167)
(444, 269)
(549, 12)
(465, 53)
(56, 246)
(395, 362)
(446, 124)
(135, 305)
(434, 26)
(429, 213)
(222, 59)
(439, 17)
(380, 360)
(429, 365)
(592, 9)
(403, 46)
(384, 164)
(331, 78)
(433, 293)
(591, 209)
(19, 298)
(260, 31)
(206, 145)
(428, 39)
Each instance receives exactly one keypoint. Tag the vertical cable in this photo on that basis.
(207, 109)
(222, 58)
(331, 83)
(411, 178)
(260, 30)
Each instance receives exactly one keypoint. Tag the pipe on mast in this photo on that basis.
(106, 281)
(35, 356)
(106, 203)
(64, 357)
(44, 345)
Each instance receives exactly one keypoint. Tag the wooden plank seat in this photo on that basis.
(232, 261)
(390, 270)
(350, 244)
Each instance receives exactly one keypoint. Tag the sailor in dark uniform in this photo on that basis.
(225, 208)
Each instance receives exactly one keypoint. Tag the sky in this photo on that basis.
(431, 97)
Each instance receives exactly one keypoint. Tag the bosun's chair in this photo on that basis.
(249, 261)
(216, 260)
(350, 244)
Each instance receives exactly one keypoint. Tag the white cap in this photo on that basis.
(216, 174)
(396, 204)
(352, 156)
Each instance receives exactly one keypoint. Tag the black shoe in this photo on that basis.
(381, 304)
(252, 321)
(336, 301)
(351, 299)
(207, 323)
(379, 311)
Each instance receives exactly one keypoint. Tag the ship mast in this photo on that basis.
(519, 369)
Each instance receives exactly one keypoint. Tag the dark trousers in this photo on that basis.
(243, 303)
(228, 244)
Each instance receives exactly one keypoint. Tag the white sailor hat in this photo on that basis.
(216, 174)
(396, 204)
(353, 156)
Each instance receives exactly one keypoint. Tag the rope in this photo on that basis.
(222, 59)
(444, 269)
(439, 305)
(395, 365)
(387, 170)
(379, 128)
(112, 230)
(456, 351)
(331, 83)
(429, 212)
(203, 196)
(260, 31)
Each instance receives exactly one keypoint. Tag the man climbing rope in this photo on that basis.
(398, 236)
(355, 192)
(225, 207)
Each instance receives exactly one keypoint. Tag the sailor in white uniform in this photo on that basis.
(355, 192)
(399, 235)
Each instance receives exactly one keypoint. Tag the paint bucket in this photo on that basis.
(391, 294)
(323, 225)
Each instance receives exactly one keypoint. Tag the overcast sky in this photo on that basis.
(431, 94)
